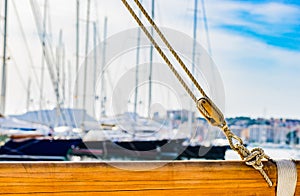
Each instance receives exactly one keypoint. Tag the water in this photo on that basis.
(274, 153)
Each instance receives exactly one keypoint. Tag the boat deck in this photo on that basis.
(122, 178)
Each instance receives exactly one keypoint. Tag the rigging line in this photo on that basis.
(26, 44)
(206, 27)
(159, 50)
(47, 49)
(43, 61)
(50, 25)
(163, 38)
(97, 19)
(137, 62)
(86, 62)
(23, 83)
(102, 87)
(77, 51)
(50, 34)
(151, 62)
(94, 63)
(4, 69)
(195, 35)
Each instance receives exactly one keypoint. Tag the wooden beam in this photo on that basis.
(167, 178)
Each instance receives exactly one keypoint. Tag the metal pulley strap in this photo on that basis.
(206, 106)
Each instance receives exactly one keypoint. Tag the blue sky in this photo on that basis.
(281, 31)
(255, 45)
(268, 55)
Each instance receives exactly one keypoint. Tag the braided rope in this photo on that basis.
(159, 50)
(163, 38)
(254, 157)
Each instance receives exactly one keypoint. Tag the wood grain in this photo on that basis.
(106, 178)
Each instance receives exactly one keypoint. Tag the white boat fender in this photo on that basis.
(286, 177)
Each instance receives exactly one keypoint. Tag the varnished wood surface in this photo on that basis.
(100, 178)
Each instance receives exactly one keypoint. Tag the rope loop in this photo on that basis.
(255, 158)
(231, 138)
(252, 158)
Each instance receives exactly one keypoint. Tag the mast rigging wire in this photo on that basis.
(26, 44)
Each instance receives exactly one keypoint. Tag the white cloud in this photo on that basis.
(262, 17)
(257, 76)
(277, 13)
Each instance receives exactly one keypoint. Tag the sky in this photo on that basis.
(255, 45)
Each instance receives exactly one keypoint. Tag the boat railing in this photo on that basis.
(135, 178)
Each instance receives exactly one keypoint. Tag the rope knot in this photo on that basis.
(255, 158)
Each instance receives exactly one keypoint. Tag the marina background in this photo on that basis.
(254, 45)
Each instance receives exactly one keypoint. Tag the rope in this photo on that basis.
(287, 177)
(163, 38)
(252, 158)
(162, 54)
(208, 109)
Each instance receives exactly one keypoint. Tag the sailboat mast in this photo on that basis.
(137, 67)
(151, 64)
(77, 49)
(190, 113)
(194, 35)
(86, 59)
(43, 60)
(69, 83)
(63, 69)
(62, 77)
(206, 28)
(71, 116)
(28, 94)
(3, 83)
(95, 63)
(103, 98)
(58, 61)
